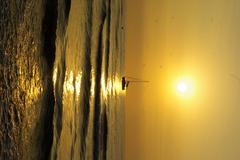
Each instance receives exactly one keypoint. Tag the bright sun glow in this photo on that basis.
(185, 87)
(182, 87)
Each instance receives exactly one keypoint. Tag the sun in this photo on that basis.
(182, 87)
(185, 87)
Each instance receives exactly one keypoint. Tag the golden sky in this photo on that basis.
(171, 40)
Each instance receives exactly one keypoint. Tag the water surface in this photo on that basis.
(61, 67)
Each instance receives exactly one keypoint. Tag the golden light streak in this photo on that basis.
(78, 83)
(103, 85)
(92, 83)
(68, 83)
(55, 76)
(72, 82)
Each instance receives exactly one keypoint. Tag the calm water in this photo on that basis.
(61, 63)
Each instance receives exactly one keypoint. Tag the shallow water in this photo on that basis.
(60, 81)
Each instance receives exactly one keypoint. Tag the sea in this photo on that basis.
(61, 67)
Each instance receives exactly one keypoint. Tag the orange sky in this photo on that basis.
(170, 39)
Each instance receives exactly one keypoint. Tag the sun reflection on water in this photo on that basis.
(55, 76)
(92, 83)
(68, 83)
(30, 88)
(111, 87)
(78, 83)
(72, 82)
